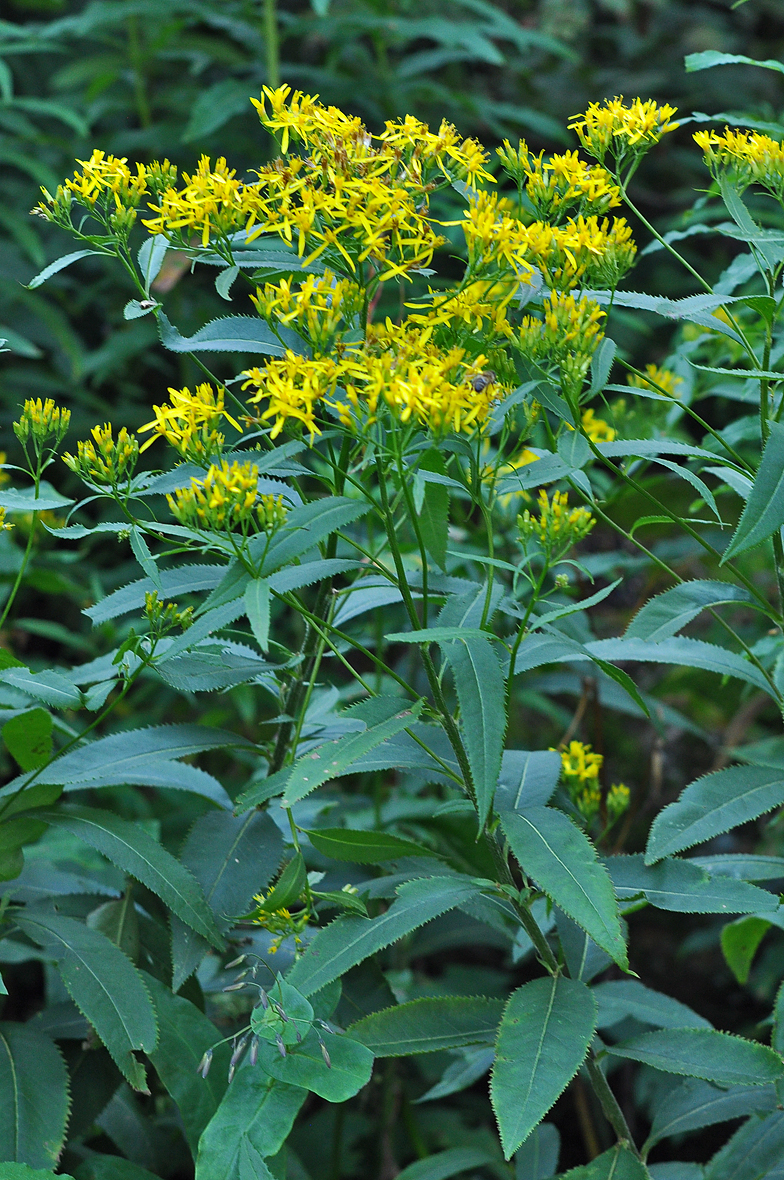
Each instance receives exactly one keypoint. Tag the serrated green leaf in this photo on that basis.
(33, 1097)
(25, 1172)
(543, 1038)
(704, 1053)
(685, 888)
(444, 1164)
(141, 552)
(527, 779)
(257, 1112)
(469, 1068)
(616, 1164)
(349, 1069)
(363, 848)
(481, 692)
(232, 333)
(185, 579)
(429, 1025)
(49, 687)
(739, 942)
(150, 258)
(305, 528)
(537, 1159)
(103, 984)
(706, 59)
(684, 652)
(257, 608)
(619, 998)
(666, 614)
(714, 804)
(184, 1035)
(25, 499)
(288, 887)
(434, 513)
(348, 941)
(59, 264)
(28, 738)
(763, 512)
(754, 1152)
(694, 1104)
(563, 863)
(132, 849)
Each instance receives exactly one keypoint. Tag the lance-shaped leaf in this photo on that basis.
(349, 1069)
(185, 579)
(257, 608)
(666, 614)
(685, 652)
(49, 687)
(60, 264)
(617, 1164)
(481, 693)
(102, 982)
(755, 1150)
(619, 998)
(445, 1164)
(764, 510)
(348, 941)
(704, 1053)
(685, 888)
(563, 863)
(527, 779)
(364, 848)
(714, 804)
(469, 1068)
(694, 1104)
(254, 1118)
(542, 1042)
(184, 1035)
(33, 1097)
(133, 850)
(231, 333)
(305, 528)
(430, 1024)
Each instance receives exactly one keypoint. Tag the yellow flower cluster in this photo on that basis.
(293, 387)
(567, 336)
(751, 157)
(226, 500)
(109, 187)
(282, 923)
(4, 524)
(580, 768)
(480, 307)
(558, 526)
(42, 421)
(659, 379)
(622, 131)
(597, 429)
(164, 616)
(103, 460)
(190, 423)
(316, 307)
(562, 184)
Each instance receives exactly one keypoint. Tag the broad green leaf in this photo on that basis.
(438, 635)
(305, 528)
(698, 309)
(444, 1164)
(704, 1053)
(349, 1069)
(527, 779)
(60, 264)
(739, 942)
(481, 692)
(616, 1164)
(213, 667)
(119, 921)
(708, 58)
(132, 849)
(583, 957)
(546, 469)
(755, 1151)
(537, 1159)
(694, 1104)
(185, 579)
(544, 1036)
(28, 738)
(150, 258)
(141, 552)
(205, 625)
(111, 1167)
(184, 1035)
(103, 984)
(348, 941)
(268, 1023)
(469, 1068)
(619, 998)
(336, 758)
(256, 1112)
(232, 857)
(428, 1025)
(668, 613)
(563, 863)
(714, 804)
(34, 1098)
(288, 887)
(231, 333)
(363, 848)
(601, 364)
(749, 228)
(225, 281)
(434, 513)
(685, 888)
(741, 866)
(684, 652)
(763, 512)
(25, 1172)
(49, 687)
(257, 608)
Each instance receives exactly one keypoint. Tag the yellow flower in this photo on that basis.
(752, 158)
(622, 130)
(567, 336)
(618, 798)
(212, 203)
(43, 421)
(481, 307)
(596, 428)
(316, 308)
(282, 923)
(562, 184)
(659, 379)
(190, 424)
(558, 526)
(293, 386)
(102, 460)
(225, 499)
(580, 768)
(4, 524)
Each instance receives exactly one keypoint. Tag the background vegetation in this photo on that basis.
(154, 78)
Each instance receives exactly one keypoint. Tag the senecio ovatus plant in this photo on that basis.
(411, 487)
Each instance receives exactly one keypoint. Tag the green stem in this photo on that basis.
(21, 572)
(612, 1110)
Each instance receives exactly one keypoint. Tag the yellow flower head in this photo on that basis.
(596, 428)
(293, 387)
(225, 499)
(190, 423)
(749, 156)
(104, 460)
(659, 379)
(315, 308)
(213, 202)
(558, 526)
(567, 336)
(560, 185)
(42, 421)
(282, 923)
(611, 127)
